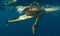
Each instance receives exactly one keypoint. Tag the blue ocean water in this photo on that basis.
(49, 24)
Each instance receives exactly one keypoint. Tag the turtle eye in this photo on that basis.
(25, 10)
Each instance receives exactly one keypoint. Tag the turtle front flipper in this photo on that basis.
(21, 18)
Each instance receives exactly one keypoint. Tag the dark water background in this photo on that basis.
(49, 25)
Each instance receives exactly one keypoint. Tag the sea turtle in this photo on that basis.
(33, 11)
